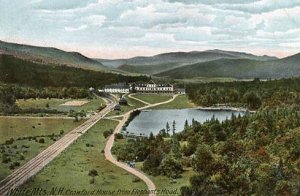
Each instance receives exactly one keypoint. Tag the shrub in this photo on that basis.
(107, 133)
(6, 159)
(12, 166)
(136, 180)
(17, 164)
(10, 141)
(22, 157)
(41, 140)
(119, 136)
(61, 132)
(93, 173)
(92, 181)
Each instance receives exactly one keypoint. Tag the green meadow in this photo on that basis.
(180, 102)
(92, 105)
(71, 168)
(23, 138)
(153, 98)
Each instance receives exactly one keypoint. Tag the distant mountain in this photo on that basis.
(167, 61)
(239, 68)
(46, 55)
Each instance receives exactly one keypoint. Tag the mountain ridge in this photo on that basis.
(50, 55)
(166, 61)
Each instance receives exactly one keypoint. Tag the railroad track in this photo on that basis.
(32, 167)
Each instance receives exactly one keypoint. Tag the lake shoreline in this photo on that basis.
(214, 108)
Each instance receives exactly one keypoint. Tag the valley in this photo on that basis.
(174, 133)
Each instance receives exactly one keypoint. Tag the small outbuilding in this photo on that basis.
(117, 107)
(123, 101)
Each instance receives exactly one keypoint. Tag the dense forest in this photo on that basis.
(252, 95)
(252, 154)
(18, 71)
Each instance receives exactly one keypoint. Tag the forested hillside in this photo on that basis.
(45, 55)
(238, 68)
(253, 95)
(18, 71)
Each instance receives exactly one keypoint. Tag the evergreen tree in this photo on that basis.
(174, 127)
(186, 125)
(168, 128)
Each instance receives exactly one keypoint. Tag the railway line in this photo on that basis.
(32, 167)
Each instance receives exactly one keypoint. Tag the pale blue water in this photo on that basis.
(155, 120)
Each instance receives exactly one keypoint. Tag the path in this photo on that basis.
(31, 168)
(144, 102)
(110, 142)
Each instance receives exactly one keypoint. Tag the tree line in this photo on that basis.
(9, 93)
(253, 95)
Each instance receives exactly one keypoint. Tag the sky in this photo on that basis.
(121, 29)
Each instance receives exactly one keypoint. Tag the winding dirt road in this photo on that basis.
(110, 143)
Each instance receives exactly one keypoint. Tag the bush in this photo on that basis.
(136, 180)
(93, 173)
(107, 133)
(22, 157)
(12, 166)
(10, 141)
(41, 140)
(6, 159)
(92, 181)
(119, 136)
(17, 164)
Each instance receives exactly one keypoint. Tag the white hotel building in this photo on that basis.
(152, 87)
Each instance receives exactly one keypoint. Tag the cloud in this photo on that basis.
(211, 2)
(72, 29)
(60, 5)
(157, 25)
(260, 6)
(96, 20)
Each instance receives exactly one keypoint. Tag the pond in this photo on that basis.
(155, 120)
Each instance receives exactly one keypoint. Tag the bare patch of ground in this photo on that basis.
(75, 103)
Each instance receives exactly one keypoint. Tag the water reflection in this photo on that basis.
(155, 120)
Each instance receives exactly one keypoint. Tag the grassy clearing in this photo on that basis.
(13, 127)
(92, 105)
(153, 98)
(27, 141)
(163, 182)
(132, 104)
(71, 168)
(180, 102)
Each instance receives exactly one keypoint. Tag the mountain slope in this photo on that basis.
(163, 62)
(47, 55)
(239, 68)
(15, 70)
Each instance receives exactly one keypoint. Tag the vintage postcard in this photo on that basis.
(149, 97)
